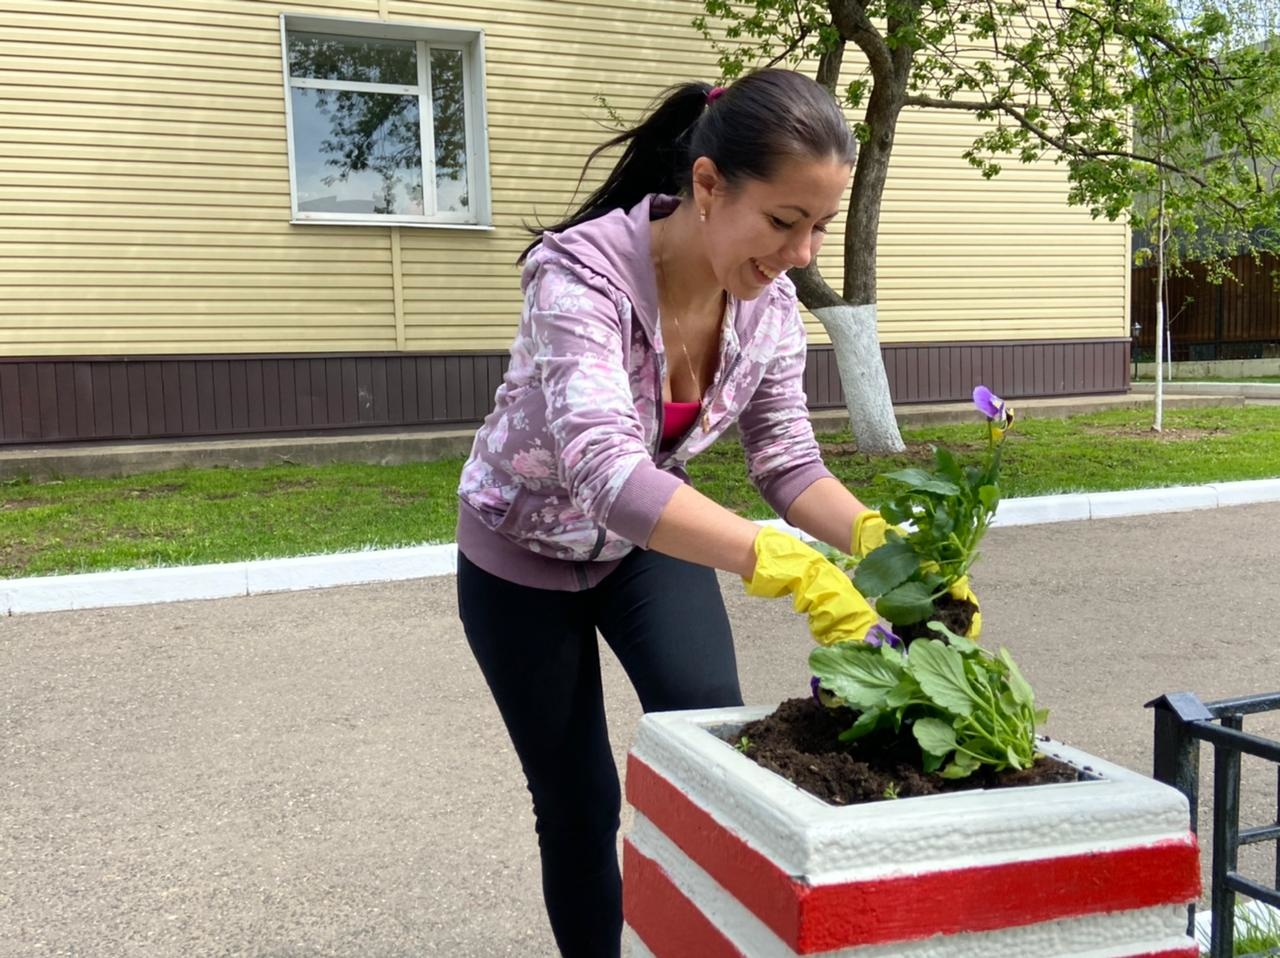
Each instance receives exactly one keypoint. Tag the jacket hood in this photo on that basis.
(616, 246)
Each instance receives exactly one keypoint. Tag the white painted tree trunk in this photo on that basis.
(1158, 425)
(862, 377)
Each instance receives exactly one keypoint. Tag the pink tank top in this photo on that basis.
(677, 417)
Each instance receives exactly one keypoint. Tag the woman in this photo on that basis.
(655, 317)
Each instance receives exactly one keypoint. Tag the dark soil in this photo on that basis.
(800, 741)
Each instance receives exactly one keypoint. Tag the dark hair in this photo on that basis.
(749, 130)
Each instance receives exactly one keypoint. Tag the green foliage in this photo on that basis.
(948, 510)
(966, 707)
(1070, 83)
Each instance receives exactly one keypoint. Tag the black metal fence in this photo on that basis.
(1182, 722)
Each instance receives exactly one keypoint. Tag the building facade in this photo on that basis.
(224, 217)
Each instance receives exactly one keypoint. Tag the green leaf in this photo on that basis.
(885, 568)
(1041, 716)
(906, 692)
(920, 480)
(962, 766)
(909, 603)
(957, 642)
(990, 497)
(935, 582)
(866, 723)
(895, 512)
(855, 672)
(935, 736)
(966, 647)
(947, 464)
(1019, 686)
(943, 523)
(940, 672)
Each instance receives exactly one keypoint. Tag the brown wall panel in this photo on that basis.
(48, 400)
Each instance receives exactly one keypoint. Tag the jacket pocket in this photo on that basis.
(515, 512)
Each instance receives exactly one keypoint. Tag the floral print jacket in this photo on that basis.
(566, 475)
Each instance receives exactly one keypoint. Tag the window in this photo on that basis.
(386, 123)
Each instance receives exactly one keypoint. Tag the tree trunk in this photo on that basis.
(866, 387)
(1158, 425)
(850, 320)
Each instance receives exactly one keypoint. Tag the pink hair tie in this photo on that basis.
(714, 94)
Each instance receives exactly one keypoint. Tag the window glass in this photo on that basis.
(450, 119)
(381, 123)
(357, 152)
(322, 56)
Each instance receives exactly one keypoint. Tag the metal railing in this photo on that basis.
(1182, 722)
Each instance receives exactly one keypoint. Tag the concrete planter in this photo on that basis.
(728, 859)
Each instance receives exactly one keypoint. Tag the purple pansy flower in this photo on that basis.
(878, 635)
(988, 403)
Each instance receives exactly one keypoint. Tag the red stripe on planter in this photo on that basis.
(820, 918)
(1191, 951)
(668, 923)
(766, 890)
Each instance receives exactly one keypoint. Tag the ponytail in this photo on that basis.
(655, 160)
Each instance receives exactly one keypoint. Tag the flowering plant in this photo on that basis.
(920, 574)
(966, 707)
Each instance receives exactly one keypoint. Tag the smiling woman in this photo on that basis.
(656, 317)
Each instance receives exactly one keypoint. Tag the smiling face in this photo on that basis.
(758, 229)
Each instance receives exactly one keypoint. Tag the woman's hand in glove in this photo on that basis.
(785, 565)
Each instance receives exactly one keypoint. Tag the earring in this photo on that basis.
(702, 215)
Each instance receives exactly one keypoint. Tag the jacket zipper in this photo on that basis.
(733, 364)
(601, 532)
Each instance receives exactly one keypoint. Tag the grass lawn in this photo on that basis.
(221, 515)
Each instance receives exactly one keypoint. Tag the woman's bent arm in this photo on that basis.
(826, 510)
(696, 529)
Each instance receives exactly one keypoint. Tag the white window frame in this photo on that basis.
(470, 42)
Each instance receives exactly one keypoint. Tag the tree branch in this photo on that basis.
(851, 19)
(1060, 143)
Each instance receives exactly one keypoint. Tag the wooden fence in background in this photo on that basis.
(1238, 318)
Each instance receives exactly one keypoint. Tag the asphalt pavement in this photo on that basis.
(322, 773)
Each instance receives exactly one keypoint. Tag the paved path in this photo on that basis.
(322, 773)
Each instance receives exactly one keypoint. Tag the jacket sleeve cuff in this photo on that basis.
(782, 491)
(640, 502)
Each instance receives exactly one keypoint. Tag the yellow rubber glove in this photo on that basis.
(869, 531)
(785, 565)
(960, 590)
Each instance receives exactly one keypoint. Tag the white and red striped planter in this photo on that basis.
(728, 859)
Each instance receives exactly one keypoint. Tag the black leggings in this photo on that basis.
(665, 621)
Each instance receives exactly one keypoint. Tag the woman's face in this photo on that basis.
(758, 229)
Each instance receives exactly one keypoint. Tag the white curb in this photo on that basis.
(224, 580)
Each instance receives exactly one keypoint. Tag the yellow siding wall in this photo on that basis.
(144, 190)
